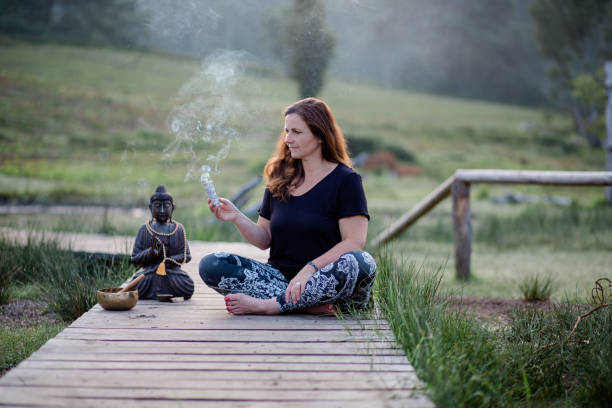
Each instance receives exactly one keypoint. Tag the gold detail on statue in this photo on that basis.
(161, 269)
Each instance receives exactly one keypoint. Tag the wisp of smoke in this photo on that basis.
(204, 123)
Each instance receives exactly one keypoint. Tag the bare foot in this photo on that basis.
(238, 303)
(326, 309)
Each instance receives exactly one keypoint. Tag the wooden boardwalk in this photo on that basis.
(195, 354)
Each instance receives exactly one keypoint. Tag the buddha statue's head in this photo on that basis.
(161, 205)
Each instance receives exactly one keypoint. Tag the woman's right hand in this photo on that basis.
(227, 211)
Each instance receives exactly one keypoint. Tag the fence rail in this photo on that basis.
(459, 186)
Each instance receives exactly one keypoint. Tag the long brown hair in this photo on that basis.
(282, 171)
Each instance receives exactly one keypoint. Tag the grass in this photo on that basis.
(513, 242)
(18, 343)
(531, 362)
(66, 282)
(90, 125)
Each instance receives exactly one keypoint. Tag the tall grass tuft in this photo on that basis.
(67, 281)
(452, 353)
(530, 362)
(71, 285)
(6, 278)
(536, 288)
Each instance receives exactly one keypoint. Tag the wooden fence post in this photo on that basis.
(462, 228)
(608, 69)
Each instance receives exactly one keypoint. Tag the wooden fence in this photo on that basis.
(459, 186)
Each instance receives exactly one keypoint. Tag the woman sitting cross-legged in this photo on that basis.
(314, 219)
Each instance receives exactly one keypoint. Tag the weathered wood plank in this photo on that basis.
(214, 395)
(216, 319)
(176, 378)
(139, 346)
(260, 336)
(153, 355)
(125, 401)
(126, 364)
(567, 178)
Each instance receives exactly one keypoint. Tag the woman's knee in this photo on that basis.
(211, 269)
(367, 264)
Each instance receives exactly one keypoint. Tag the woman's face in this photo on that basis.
(299, 139)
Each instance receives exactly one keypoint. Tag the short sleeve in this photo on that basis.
(351, 197)
(264, 209)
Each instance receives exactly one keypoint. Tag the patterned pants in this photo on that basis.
(346, 283)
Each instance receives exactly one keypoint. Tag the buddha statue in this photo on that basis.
(160, 249)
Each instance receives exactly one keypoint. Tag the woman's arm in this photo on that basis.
(257, 234)
(353, 231)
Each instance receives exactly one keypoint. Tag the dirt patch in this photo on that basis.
(25, 313)
(496, 310)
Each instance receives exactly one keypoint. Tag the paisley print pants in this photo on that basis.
(346, 283)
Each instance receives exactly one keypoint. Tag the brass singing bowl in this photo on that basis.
(111, 299)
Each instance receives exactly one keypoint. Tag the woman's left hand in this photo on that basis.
(297, 285)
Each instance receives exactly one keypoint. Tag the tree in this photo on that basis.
(114, 22)
(309, 45)
(575, 36)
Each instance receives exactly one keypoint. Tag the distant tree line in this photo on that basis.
(491, 50)
(576, 38)
(100, 22)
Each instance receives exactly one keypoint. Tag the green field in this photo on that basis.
(91, 126)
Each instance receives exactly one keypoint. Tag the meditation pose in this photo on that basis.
(160, 249)
(314, 219)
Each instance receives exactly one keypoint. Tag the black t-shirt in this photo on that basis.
(306, 226)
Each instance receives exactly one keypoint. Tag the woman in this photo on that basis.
(314, 219)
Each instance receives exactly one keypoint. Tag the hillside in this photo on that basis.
(95, 126)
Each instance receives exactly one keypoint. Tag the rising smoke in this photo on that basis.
(205, 120)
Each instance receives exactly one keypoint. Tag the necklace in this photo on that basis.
(165, 234)
(161, 269)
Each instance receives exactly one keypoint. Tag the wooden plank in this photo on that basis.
(71, 377)
(416, 400)
(144, 379)
(126, 364)
(259, 336)
(57, 345)
(567, 178)
(232, 360)
(212, 394)
(218, 319)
